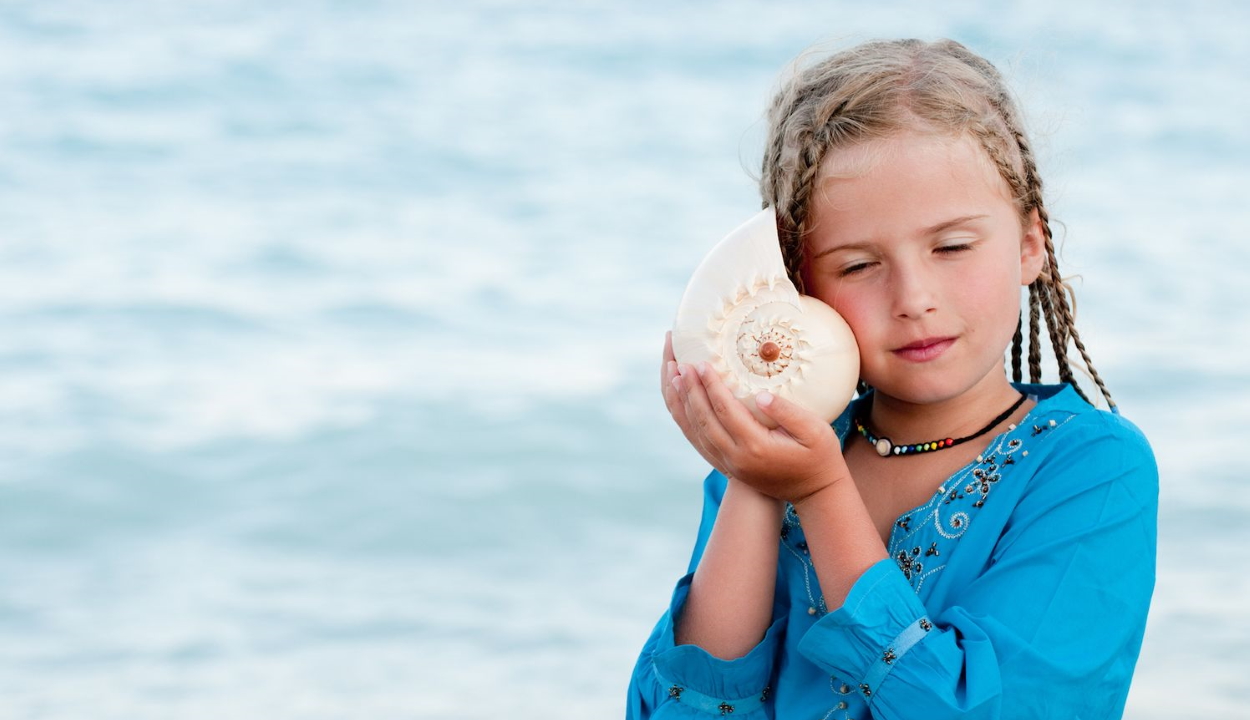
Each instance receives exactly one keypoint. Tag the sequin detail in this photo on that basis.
(920, 541)
(951, 510)
(796, 546)
(713, 705)
(894, 652)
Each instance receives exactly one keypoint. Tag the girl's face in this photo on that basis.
(916, 243)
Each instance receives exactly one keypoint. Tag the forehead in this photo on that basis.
(900, 184)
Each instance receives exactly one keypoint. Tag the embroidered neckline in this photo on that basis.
(845, 433)
(976, 478)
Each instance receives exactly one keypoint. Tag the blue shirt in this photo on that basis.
(1019, 589)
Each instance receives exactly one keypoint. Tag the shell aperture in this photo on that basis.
(742, 315)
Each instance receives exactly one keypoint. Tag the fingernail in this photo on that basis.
(702, 368)
(672, 367)
(764, 399)
(677, 382)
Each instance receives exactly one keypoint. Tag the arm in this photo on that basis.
(704, 681)
(731, 596)
(717, 642)
(840, 534)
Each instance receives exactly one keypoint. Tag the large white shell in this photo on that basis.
(740, 299)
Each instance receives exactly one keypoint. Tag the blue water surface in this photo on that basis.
(329, 332)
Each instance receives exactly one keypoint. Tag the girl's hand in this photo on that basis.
(791, 462)
(677, 407)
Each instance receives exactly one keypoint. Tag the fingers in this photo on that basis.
(668, 366)
(694, 433)
(674, 389)
(732, 414)
(795, 420)
(671, 387)
(699, 410)
(670, 390)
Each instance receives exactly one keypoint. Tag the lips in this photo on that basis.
(924, 350)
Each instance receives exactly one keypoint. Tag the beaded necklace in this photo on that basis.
(886, 447)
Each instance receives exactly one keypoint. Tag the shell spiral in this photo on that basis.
(742, 315)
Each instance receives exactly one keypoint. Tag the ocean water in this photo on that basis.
(329, 332)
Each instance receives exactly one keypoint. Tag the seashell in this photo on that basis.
(742, 315)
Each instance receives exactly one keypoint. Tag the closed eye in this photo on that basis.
(854, 268)
(953, 249)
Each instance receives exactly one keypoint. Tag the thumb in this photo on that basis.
(796, 420)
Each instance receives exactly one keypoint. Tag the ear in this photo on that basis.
(1032, 249)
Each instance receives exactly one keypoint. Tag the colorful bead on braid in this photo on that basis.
(885, 446)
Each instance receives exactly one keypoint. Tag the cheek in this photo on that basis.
(856, 306)
(843, 298)
(992, 299)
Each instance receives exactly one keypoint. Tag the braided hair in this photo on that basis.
(881, 88)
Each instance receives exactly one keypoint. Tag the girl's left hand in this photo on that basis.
(790, 462)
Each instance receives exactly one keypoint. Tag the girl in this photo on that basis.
(956, 545)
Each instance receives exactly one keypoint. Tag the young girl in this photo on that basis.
(956, 545)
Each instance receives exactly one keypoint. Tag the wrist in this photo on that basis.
(819, 490)
(744, 493)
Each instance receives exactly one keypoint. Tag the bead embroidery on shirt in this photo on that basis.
(816, 605)
(710, 704)
(950, 511)
(842, 689)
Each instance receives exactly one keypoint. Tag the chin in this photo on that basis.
(918, 393)
(929, 388)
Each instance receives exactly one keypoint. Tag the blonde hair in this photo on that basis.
(881, 88)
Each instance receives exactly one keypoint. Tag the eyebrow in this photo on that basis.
(933, 230)
(953, 223)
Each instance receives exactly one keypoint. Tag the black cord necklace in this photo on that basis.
(886, 447)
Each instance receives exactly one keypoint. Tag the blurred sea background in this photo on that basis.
(330, 332)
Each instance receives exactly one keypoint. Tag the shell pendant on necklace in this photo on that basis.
(742, 315)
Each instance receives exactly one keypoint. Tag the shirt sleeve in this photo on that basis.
(1054, 624)
(684, 681)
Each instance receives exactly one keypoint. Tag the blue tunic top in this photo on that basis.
(1020, 589)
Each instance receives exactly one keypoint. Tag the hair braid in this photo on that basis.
(1068, 320)
(1017, 341)
(1058, 340)
(793, 216)
(802, 134)
(1035, 345)
(1052, 291)
(1058, 313)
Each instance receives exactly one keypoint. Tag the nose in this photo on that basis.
(914, 291)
